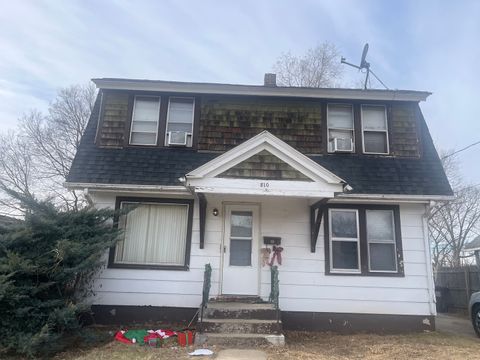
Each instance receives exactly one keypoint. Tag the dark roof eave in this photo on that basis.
(260, 90)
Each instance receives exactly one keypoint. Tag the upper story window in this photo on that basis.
(180, 121)
(375, 129)
(146, 112)
(340, 128)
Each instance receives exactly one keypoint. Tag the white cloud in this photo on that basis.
(428, 45)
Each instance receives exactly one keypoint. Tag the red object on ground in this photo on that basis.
(185, 338)
(120, 337)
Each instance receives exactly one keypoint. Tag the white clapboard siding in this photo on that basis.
(303, 283)
(349, 306)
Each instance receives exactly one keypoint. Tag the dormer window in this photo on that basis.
(375, 129)
(146, 112)
(180, 121)
(340, 128)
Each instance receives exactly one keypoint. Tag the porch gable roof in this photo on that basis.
(306, 177)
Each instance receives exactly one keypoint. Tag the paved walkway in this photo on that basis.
(236, 354)
(452, 324)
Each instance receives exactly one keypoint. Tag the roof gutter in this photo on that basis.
(126, 188)
(392, 197)
(257, 90)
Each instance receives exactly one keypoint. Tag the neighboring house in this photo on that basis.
(344, 178)
(474, 246)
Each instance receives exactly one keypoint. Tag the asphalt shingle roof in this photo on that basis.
(163, 166)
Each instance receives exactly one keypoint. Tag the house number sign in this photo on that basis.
(264, 185)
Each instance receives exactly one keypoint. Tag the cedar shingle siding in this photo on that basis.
(164, 166)
(115, 120)
(264, 166)
(404, 130)
(225, 123)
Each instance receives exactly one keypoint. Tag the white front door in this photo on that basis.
(240, 250)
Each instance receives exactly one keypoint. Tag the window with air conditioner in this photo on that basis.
(180, 122)
(374, 129)
(340, 128)
(145, 115)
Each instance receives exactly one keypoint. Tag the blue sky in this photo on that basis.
(419, 45)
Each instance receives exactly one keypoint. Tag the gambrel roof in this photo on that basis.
(366, 174)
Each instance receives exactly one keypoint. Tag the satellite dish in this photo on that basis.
(364, 64)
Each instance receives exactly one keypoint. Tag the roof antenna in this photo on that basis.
(364, 64)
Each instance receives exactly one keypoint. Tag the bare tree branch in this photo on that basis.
(453, 224)
(319, 67)
(37, 158)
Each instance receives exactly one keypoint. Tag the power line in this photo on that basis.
(465, 148)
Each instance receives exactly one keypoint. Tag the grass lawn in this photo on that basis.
(305, 346)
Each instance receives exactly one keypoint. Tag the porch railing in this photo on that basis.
(275, 290)
(207, 278)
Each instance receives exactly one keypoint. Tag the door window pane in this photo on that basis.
(241, 224)
(240, 252)
(345, 255)
(344, 224)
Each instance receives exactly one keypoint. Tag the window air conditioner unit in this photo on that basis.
(342, 145)
(178, 138)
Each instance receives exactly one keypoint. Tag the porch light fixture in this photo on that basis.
(215, 212)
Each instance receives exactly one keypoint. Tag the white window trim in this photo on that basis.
(149, 203)
(144, 132)
(382, 242)
(168, 118)
(385, 131)
(357, 240)
(337, 129)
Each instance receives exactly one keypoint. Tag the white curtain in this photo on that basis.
(154, 234)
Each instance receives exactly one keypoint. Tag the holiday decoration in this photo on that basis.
(265, 255)
(277, 255)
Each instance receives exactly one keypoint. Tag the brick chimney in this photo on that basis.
(270, 80)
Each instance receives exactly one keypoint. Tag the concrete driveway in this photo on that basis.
(454, 324)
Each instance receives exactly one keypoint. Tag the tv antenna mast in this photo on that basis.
(364, 65)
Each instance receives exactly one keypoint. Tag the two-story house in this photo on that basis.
(341, 179)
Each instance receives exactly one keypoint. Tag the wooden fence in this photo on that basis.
(453, 287)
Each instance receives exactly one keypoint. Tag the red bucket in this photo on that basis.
(185, 338)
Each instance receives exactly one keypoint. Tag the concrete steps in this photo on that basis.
(241, 321)
(235, 310)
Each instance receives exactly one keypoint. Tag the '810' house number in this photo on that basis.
(264, 185)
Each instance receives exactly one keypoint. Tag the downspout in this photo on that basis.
(428, 251)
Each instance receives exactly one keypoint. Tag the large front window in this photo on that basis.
(154, 233)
